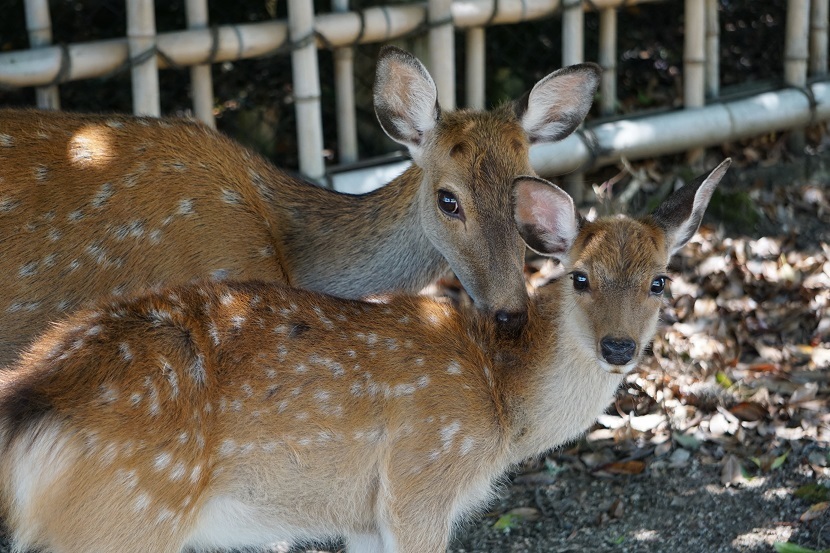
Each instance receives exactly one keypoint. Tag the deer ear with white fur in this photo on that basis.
(680, 214)
(545, 216)
(406, 100)
(558, 104)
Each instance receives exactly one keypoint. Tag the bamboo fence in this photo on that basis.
(704, 119)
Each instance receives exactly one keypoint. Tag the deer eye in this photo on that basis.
(448, 203)
(658, 285)
(580, 281)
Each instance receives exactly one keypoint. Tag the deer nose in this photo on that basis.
(512, 321)
(617, 351)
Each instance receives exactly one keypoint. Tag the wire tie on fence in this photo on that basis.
(65, 67)
(811, 100)
(388, 22)
(360, 34)
(322, 38)
(168, 60)
(493, 14)
(214, 44)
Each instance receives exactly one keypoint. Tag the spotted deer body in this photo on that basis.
(97, 205)
(221, 414)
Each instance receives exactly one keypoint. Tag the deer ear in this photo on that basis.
(556, 106)
(544, 215)
(680, 214)
(406, 100)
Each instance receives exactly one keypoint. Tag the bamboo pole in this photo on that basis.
(796, 54)
(141, 37)
(88, 60)
(201, 81)
(712, 49)
(679, 131)
(694, 58)
(442, 51)
(608, 60)
(475, 52)
(306, 77)
(39, 25)
(795, 48)
(694, 54)
(818, 37)
(344, 92)
(573, 23)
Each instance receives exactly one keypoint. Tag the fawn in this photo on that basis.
(225, 414)
(94, 205)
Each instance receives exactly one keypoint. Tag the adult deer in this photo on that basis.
(98, 205)
(224, 415)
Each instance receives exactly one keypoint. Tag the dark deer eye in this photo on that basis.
(580, 281)
(658, 285)
(448, 203)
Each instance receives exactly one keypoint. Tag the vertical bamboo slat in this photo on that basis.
(694, 54)
(795, 55)
(818, 37)
(201, 81)
(306, 78)
(573, 20)
(694, 59)
(712, 49)
(608, 60)
(442, 51)
(39, 25)
(795, 47)
(141, 36)
(573, 24)
(475, 67)
(344, 92)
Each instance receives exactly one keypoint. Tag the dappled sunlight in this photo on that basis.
(646, 535)
(763, 537)
(91, 147)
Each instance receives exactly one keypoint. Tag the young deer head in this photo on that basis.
(225, 415)
(94, 205)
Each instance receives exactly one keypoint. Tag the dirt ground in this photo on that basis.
(721, 442)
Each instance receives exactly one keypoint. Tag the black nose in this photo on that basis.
(617, 351)
(512, 321)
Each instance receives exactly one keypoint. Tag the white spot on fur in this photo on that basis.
(448, 432)
(195, 474)
(454, 368)
(467, 445)
(177, 472)
(185, 207)
(161, 460)
(227, 447)
(141, 502)
(126, 352)
(103, 195)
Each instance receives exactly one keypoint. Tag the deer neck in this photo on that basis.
(561, 390)
(357, 245)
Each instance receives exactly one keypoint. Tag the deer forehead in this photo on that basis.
(485, 147)
(620, 252)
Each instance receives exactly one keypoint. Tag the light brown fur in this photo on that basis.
(93, 205)
(221, 415)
